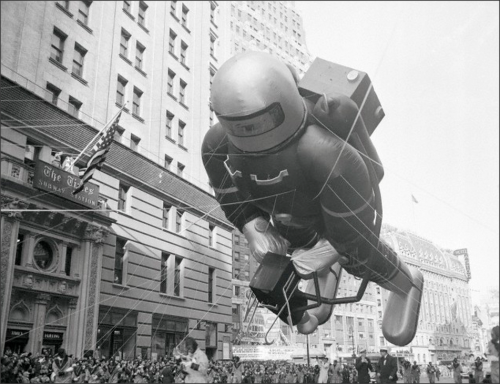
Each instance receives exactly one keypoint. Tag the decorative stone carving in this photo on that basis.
(73, 303)
(28, 281)
(76, 226)
(49, 219)
(42, 298)
(91, 298)
(4, 258)
(95, 234)
(62, 287)
(10, 203)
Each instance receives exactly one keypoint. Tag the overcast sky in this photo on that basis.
(435, 68)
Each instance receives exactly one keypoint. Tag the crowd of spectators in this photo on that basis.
(62, 368)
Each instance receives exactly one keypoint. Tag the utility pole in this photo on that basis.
(307, 342)
(351, 332)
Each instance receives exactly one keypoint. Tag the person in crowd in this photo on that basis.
(388, 367)
(406, 372)
(415, 372)
(493, 350)
(457, 370)
(62, 367)
(323, 365)
(438, 373)
(478, 370)
(431, 372)
(237, 370)
(364, 367)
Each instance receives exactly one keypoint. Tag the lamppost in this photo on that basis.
(351, 333)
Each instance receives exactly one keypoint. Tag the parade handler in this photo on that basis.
(287, 177)
(193, 361)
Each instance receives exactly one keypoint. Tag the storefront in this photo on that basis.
(167, 333)
(52, 341)
(116, 334)
(16, 340)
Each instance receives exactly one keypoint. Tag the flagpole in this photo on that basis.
(96, 136)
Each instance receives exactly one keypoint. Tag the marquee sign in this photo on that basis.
(463, 251)
(59, 182)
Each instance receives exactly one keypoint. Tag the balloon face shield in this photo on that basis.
(254, 124)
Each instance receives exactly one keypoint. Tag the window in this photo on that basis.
(212, 74)
(139, 54)
(168, 125)
(211, 284)
(125, 37)
(182, 92)
(180, 132)
(211, 229)
(67, 264)
(236, 273)
(136, 107)
(120, 90)
(80, 53)
(171, 42)
(212, 45)
(184, 19)
(119, 134)
(166, 210)
(236, 290)
(170, 82)
(184, 48)
(57, 46)
(127, 7)
(134, 142)
(83, 12)
(64, 4)
(173, 7)
(213, 8)
(180, 169)
(164, 272)
(168, 162)
(142, 14)
(119, 256)
(53, 93)
(19, 248)
(236, 256)
(178, 219)
(74, 106)
(178, 276)
(122, 197)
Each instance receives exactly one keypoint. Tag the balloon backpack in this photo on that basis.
(343, 101)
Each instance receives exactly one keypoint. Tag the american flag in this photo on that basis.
(99, 152)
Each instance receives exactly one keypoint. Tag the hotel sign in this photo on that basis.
(59, 182)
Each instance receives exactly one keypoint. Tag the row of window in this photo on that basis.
(141, 13)
(184, 13)
(171, 272)
(83, 10)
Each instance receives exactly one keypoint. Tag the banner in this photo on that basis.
(264, 352)
(59, 182)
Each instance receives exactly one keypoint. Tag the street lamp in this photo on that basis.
(351, 332)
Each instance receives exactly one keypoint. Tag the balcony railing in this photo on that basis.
(18, 170)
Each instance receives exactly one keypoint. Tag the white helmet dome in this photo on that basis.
(256, 100)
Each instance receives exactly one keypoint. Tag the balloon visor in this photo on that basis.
(254, 124)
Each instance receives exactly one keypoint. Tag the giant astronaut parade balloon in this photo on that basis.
(294, 169)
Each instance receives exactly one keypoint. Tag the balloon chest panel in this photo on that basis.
(276, 182)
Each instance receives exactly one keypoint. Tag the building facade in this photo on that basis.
(147, 259)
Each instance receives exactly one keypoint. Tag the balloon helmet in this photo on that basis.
(257, 102)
